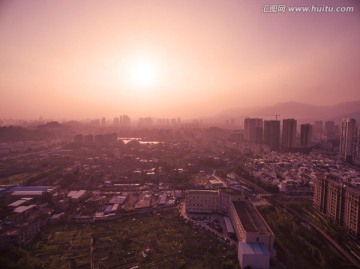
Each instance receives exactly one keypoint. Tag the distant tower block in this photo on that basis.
(306, 133)
(318, 132)
(272, 134)
(348, 140)
(253, 130)
(289, 134)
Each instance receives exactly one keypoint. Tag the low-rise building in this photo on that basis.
(23, 226)
(202, 201)
(249, 226)
(76, 196)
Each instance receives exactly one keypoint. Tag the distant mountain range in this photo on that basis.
(301, 112)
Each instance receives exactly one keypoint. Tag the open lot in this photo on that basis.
(162, 240)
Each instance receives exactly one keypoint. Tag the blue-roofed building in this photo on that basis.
(31, 190)
(254, 254)
(5, 189)
(17, 192)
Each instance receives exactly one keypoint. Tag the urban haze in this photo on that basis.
(179, 134)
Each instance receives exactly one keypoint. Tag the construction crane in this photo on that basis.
(276, 116)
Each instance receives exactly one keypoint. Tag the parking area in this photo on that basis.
(214, 223)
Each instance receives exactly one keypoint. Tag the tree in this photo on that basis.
(18, 258)
(46, 198)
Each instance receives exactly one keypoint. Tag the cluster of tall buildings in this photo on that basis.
(269, 132)
(339, 201)
(122, 121)
(283, 135)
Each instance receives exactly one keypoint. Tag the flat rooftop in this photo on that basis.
(32, 188)
(21, 209)
(19, 202)
(203, 191)
(76, 194)
(250, 218)
(27, 193)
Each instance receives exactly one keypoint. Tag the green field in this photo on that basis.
(165, 239)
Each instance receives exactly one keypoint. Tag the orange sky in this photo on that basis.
(65, 59)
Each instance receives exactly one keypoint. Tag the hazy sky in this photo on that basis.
(66, 59)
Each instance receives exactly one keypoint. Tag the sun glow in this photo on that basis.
(143, 74)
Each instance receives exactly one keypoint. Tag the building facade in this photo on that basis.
(318, 130)
(348, 140)
(339, 201)
(288, 134)
(329, 130)
(306, 135)
(272, 134)
(357, 146)
(253, 130)
(202, 201)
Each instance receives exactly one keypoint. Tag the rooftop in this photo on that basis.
(203, 191)
(250, 218)
(18, 202)
(21, 209)
(32, 188)
(76, 194)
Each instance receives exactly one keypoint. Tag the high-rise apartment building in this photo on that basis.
(103, 122)
(253, 130)
(116, 122)
(348, 140)
(146, 122)
(272, 134)
(318, 130)
(330, 130)
(357, 146)
(339, 201)
(306, 134)
(124, 121)
(289, 134)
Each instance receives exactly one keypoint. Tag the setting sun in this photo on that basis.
(143, 74)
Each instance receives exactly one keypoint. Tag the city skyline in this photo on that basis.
(171, 59)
